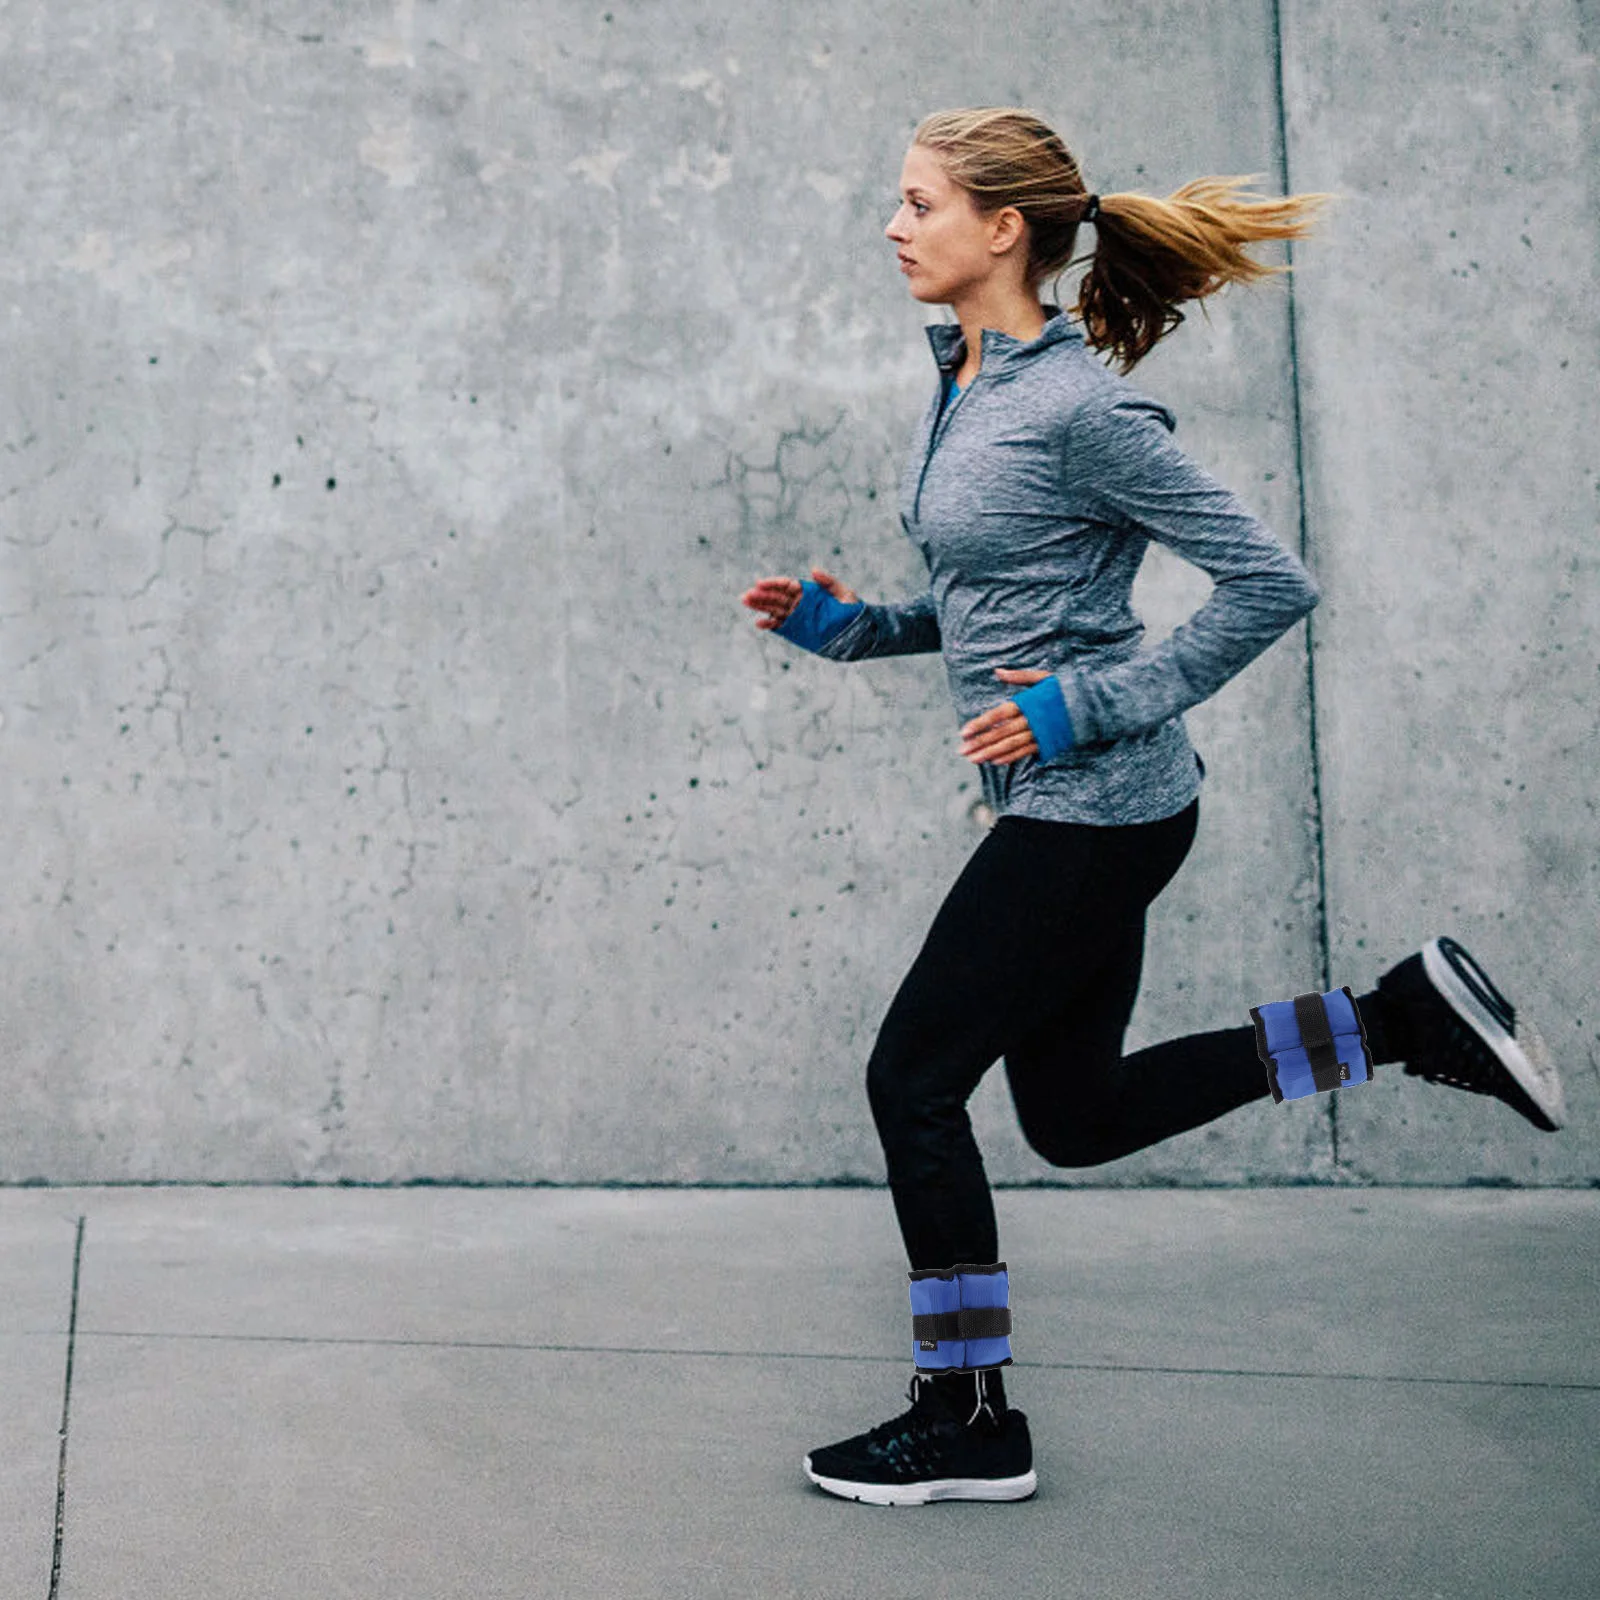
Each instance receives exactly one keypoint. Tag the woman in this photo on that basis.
(1036, 482)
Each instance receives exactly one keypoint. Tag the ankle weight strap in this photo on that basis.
(961, 1318)
(1311, 1044)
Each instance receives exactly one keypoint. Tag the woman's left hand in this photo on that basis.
(1001, 735)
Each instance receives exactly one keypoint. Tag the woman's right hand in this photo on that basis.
(775, 598)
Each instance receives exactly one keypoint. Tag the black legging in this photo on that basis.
(1035, 956)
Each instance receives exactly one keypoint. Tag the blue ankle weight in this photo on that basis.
(961, 1318)
(1311, 1044)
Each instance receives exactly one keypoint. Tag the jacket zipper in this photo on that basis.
(941, 424)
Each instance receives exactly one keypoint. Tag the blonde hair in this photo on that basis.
(1150, 255)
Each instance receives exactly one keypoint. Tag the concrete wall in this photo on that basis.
(395, 399)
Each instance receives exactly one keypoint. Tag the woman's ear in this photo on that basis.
(1006, 228)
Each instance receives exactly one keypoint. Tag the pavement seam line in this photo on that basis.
(532, 1348)
(59, 1537)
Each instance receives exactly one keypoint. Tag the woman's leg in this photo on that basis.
(1034, 929)
(1081, 1102)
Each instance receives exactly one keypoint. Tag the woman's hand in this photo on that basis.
(775, 598)
(1001, 735)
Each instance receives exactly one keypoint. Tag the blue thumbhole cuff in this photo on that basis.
(1045, 707)
(817, 618)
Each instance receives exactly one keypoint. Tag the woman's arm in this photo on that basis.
(1139, 479)
(906, 628)
(830, 620)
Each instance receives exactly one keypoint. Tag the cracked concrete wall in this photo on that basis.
(395, 401)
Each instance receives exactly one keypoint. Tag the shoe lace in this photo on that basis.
(912, 1442)
(1456, 1056)
(917, 1420)
(1452, 1053)
(985, 1405)
(930, 1414)
(903, 1442)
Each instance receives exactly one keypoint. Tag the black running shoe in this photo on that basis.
(1464, 1033)
(930, 1453)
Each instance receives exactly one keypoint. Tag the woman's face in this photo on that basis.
(945, 242)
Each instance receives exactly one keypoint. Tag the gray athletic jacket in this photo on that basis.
(1032, 496)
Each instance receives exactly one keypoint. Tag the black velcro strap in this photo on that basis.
(1316, 1034)
(973, 1322)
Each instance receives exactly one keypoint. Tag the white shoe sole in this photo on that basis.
(921, 1494)
(1525, 1056)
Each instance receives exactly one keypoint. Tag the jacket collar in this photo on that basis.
(949, 343)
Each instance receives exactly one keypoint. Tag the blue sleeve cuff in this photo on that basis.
(1045, 707)
(817, 618)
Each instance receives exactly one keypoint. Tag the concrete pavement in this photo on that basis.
(1320, 1392)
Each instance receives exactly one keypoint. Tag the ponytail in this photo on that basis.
(1152, 255)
